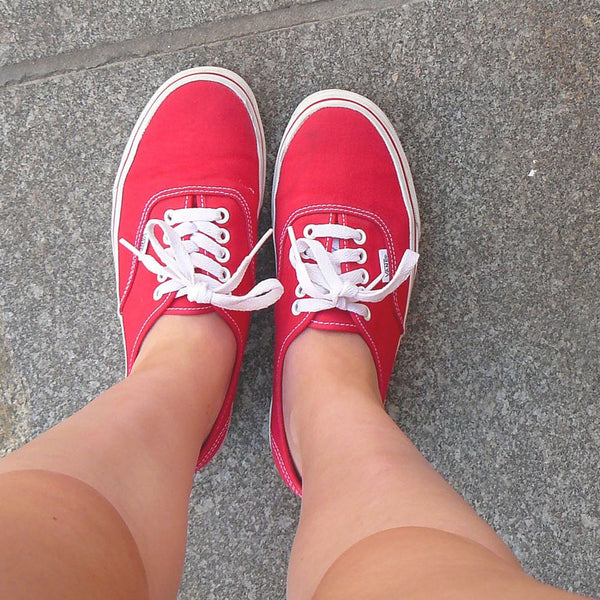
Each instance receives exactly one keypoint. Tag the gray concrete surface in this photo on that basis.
(497, 380)
(32, 30)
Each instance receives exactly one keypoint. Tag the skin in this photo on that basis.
(377, 521)
(137, 444)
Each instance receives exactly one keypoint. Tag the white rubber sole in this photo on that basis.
(216, 74)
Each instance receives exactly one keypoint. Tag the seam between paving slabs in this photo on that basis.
(104, 55)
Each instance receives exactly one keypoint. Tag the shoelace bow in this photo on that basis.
(322, 281)
(182, 260)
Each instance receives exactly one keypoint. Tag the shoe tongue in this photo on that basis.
(334, 319)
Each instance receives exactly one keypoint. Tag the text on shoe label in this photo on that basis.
(144, 243)
(384, 263)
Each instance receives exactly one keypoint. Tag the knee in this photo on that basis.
(416, 563)
(63, 539)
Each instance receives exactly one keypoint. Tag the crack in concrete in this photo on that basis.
(206, 34)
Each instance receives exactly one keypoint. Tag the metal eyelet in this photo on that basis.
(367, 317)
(363, 257)
(225, 256)
(299, 291)
(168, 217)
(364, 276)
(295, 308)
(308, 232)
(156, 295)
(225, 275)
(161, 278)
(224, 236)
(224, 216)
(362, 237)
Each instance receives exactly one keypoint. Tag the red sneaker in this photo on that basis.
(346, 232)
(193, 171)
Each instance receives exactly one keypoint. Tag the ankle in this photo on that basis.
(191, 359)
(324, 373)
(185, 364)
(176, 342)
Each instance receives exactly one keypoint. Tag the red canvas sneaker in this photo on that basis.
(346, 236)
(185, 212)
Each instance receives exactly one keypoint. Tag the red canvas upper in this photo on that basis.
(335, 167)
(198, 144)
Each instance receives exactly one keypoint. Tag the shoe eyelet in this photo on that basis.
(225, 275)
(308, 232)
(362, 237)
(364, 275)
(224, 236)
(224, 256)
(367, 317)
(295, 308)
(168, 217)
(363, 257)
(156, 295)
(299, 291)
(161, 278)
(224, 216)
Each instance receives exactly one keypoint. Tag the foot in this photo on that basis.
(346, 231)
(185, 214)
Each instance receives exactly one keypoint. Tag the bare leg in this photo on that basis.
(370, 497)
(135, 447)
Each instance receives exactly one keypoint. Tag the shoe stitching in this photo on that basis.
(157, 101)
(345, 268)
(234, 323)
(164, 194)
(218, 441)
(357, 212)
(131, 353)
(401, 159)
(339, 323)
(282, 465)
(190, 308)
(374, 346)
(210, 452)
(170, 192)
(331, 219)
(283, 345)
(399, 314)
(387, 233)
(225, 427)
(246, 211)
(280, 357)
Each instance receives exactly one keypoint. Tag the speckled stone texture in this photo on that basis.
(497, 104)
(32, 29)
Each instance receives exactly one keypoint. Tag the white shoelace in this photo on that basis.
(182, 259)
(322, 281)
